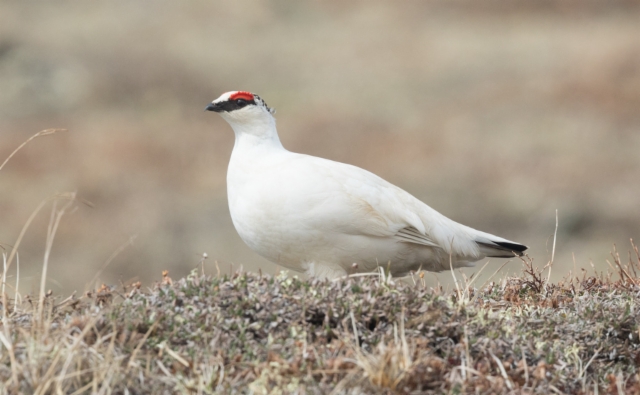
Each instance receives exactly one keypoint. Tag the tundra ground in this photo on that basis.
(260, 334)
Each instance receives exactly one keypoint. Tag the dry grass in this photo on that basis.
(369, 334)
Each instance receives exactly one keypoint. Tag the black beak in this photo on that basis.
(213, 107)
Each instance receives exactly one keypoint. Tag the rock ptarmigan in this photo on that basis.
(321, 217)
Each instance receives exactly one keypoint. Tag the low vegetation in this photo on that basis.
(252, 333)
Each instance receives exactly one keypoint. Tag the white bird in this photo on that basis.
(329, 219)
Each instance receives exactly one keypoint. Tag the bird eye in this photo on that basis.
(241, 102)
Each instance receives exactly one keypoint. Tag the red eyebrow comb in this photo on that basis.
(242, 95)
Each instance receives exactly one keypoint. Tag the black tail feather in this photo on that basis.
(504, 249)
(512, 246)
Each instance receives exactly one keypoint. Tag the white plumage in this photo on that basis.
(319, 216)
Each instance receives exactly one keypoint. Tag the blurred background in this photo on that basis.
(494, 113)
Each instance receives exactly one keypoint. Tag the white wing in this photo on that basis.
(373, 206)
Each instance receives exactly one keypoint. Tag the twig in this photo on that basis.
(455, 280)
(204, 257)
(403, 337)
(144, 339)
(621, 271)
(12, 356)
(476, 275)
(35, 212)
(4, 279)
(536, 282)
(377, 274)
(39, 134)
(474, 278)
(173, 354)
(17, 295)
(163, 368)
(502, 371)
(355, 328)
(494, 274)
(553, 249)
(111, 258)
(56, 216)
(75, 345)
(526, 368)
(584, 370)
(556, 390)
(71, 297)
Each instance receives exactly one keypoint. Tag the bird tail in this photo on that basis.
(500, 248)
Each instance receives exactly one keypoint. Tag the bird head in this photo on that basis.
(240, 107)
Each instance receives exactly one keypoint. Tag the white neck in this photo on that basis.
(258, 133)
(256, 141)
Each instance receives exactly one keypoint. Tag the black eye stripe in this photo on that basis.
(231, 105)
